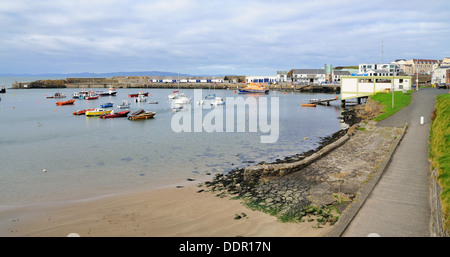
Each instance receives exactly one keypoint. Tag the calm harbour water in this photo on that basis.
(90, 157)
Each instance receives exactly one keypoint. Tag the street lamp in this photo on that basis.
(393, 86)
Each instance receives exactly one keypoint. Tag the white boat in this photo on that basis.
(182, 99)
(140, 98)
(218, 101)
(125, 104)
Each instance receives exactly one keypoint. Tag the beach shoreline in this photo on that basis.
(166, 212)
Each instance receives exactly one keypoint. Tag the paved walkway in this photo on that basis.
(399, 205)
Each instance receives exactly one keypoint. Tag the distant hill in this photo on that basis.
(96, 75)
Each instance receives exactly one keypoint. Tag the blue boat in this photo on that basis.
(109, 104)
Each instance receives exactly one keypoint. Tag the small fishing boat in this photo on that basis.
(152, 102)
(308, 105)
(91, 96)
(71, 101)
(254, 88)
(140, 98)
(98, 112)
(57, 95)
(82, 112)
(141, 114)
(182, 99)
(111, 91)
(140, 93)
(125, 104)
(115, 114)
(218, 101)
(107, 105)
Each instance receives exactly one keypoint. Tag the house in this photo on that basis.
(421, 66)
(441, 76)
(308, 76)
(379, 69)
(337, 74)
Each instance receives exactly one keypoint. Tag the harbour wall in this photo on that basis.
(139, 83)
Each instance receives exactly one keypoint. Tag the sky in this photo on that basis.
(233, 37)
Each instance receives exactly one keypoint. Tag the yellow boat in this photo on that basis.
(254, 88)
(98, 112)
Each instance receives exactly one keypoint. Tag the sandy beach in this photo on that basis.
(168, 212)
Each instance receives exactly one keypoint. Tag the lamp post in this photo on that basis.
(393, 86)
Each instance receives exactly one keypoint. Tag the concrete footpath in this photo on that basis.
(399, 204)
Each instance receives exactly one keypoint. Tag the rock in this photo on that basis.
(321, 195)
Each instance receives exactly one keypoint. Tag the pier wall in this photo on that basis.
(138, 82)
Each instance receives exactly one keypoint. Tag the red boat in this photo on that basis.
(115, 115)
(71, 101)
(82, 112)
(136, 95)
(91, 96)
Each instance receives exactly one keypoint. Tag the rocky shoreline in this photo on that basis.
(316, 191)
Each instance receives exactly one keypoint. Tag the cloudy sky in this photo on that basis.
(216, 37)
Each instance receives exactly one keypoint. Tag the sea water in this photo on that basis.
(49, 155)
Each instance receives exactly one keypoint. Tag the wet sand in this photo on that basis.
(169, 212)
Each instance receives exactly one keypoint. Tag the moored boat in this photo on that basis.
(82, 112)
(111, 91)
(140, 93)
(141, 114)
(71, 101)
(218, 101)
(98, 112)
(125, 104)
(182, 99)
(140, 98)
(115, 114)
(91, 96)
(254, 88)
(57, 95)
(106, 105)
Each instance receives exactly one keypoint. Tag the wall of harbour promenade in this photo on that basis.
(134, 83)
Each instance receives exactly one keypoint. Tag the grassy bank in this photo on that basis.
(440, 150)
(400, 100)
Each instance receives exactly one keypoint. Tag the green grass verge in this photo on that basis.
(440, 151)
(400, 100)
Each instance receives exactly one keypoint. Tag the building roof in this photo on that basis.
(308, 71)
(342, 72)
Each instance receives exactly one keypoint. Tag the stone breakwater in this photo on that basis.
(323, 185)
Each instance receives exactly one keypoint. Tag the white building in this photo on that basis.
(262, 79)
(282, 76)
(308, 76)
(440, 75)
(379, 69)
(337, 74)
(362, 86)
